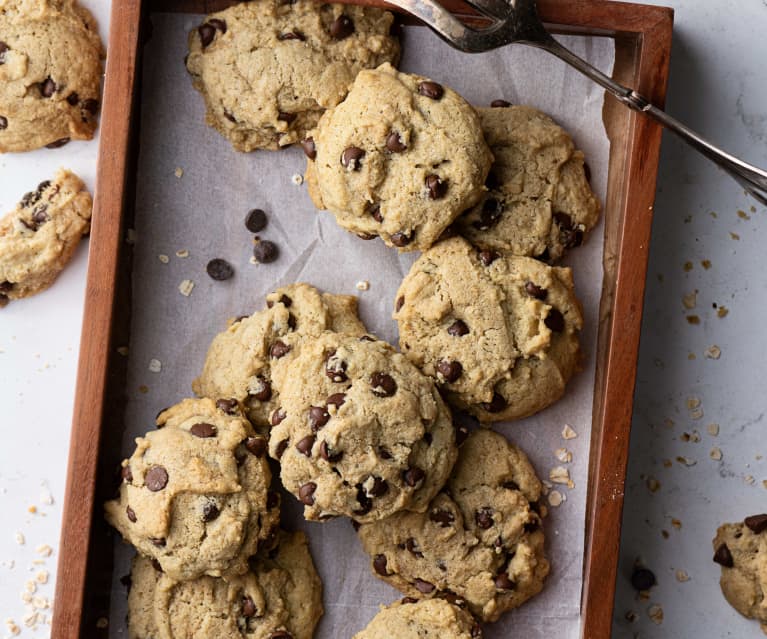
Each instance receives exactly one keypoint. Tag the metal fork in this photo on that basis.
(518, 21)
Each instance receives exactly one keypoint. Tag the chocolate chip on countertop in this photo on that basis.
(643, 579)
(219, 269)
(156, 478)
(203, 430)
(431, 89)
(342, 27)
(328, 454)
(723, 556)
(256, 220)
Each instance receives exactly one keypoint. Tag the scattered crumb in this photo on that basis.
(253, 259)
(32, 510)
(693, 319)
(713, 429)
(155, 365)
(749, 479)
(102, 623)
(682, 576)
(676, 523)
(686, 461)
(734, 236)
(163, 258)
(560, 475)
(42, 577)
(20, 539)
(12, 627)
(667, 463)
(655, 612)
(693, 437)
(563, 455)
(568, 432)
(653, 485)
(122, 350)
(182, 253)
(690, 300)
(691, 356)
(297, 179)
(130, 236)
(713, 214)
(764, 483)
(631, 616)
(664, 534)
(713, 352)
(178, 172)
(687, 267)
(752, 209)
(556, 498)
(716, 453)
(363, 285)
(185, 288)
(696, 414)
(693, 402)
(143, 389)
(706, 264)
(44, 550)
(722, 311)
(668, 422)
(743, 215)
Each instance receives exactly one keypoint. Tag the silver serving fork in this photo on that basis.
(511, 21)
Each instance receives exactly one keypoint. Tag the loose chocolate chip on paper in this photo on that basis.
(256, 220)
(431, 89)
(203, 430)
(342, 27)
(219, 269)
(265, 251)
(156, 478)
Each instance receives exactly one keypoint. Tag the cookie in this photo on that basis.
(268, 69)
(540, 203)
(741, 550)
(239, 359)
(498, 333)
(50, 74)
(428, 619)
(280, 597)
(480, 544)
(400, 158)
(194, 495)
(360, 431)
(39, 237)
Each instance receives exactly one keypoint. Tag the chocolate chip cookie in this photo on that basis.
(194, 495)
(480, 544)
(741, 550)
(428, 619)
(239, 360)
(540, 203)
(498, 333)
(360, 431)
(50, 74)
(39, 237)
(280, 597)
(268, 69)
(400, 158)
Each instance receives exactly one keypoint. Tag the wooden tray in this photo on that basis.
(643, 41)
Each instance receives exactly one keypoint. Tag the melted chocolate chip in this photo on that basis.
(555, 321)
(335, 369)
(383, 385)
(458, 329)
(442, 517)
(304, 446)
(328, 454)
(203, 430)
(210, 511)
(379, 565)
(256, 220)
(228, 406)
(400, 238)
(256, 446)
(278, 416)
(423, 586)
(279, 349)
(318, 417)
(487, 257)
(412, 547)
(375, 213)
(306, 493)
(450, 370)
(413, 475)
(536, 291)
(723, 556)
(156, 478)
(756, 523)
(248, 607)
(394, 142)
(131, 514)
(47, 88)
(502, 582)
(206, 32)
(484, 517)
(310, 149)
(262, 391)
(342, 27)
(336, 399)
(496, 405)
(436, 186)
(431, 89)
(379, 488)
(351, 158)
(292, 35)
(400, 302)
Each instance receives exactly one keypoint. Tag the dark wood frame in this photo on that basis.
(643, 45)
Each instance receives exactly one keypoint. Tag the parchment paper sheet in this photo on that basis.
(203, 212)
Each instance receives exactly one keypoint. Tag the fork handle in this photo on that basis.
(751, 178)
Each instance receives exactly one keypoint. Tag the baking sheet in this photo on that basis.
(193, 193)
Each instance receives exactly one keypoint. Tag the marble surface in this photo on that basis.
(718, 87)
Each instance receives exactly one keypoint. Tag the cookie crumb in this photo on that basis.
(749, 479)
(297, 179)
(179, 172)
(20, 539)
(716, 453)
(143, 389)
(102, 623)
(185, 288)
(690, 300)
(559, 475)
(682, 576)
(568, 432)
(130, 236)
(734, 236)
(687, 267)
(631, 616)
(42, 577)
(122, 350)
(743, 215)
(706, 264)
(155, 365)
(764, 483)
(44, 550)
(253, 260)
(653, 485)
(686, 461)
(713, 352)
(556, 498)
(676, 523)
(667, 463)
(655, 612)
(692, 319)
(563, 455)
(182, 253)
(163, 258)
(11, 626)
(713, 429)
(722, 311)
(362, 285)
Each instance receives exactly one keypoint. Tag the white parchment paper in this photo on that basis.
(203, 212)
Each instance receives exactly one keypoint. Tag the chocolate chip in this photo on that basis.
(436, 185)
(643, 579)
(219, 269)
(531, 526)
(156, 478)
(336, 399)
(262, 390)
(279, 349)
(366, 504)
(510, 485)
(229, 116)
(131, 514)
(413, 475)
(569, 234)
(544, 257)
(284, 116)
(73, 99)
(500, 104)
(342, 27)
(210, 511)
(272, 499)
(304, 446)
(476, 631)
(207, 32)
(367, 338)
(328, 454)
(757, 523)
(723, 556)
(412, 547)
(401, 238)
(158, 541)
(461, 435)
(450, 370)
(379, 564)
(442, 517)
(306, 493)
(265, 251)
(408, 600)
(423, 586)
(318, 417)
(427, 437)
(484, 517)
(351, 158)
(256, 446)
(310, 149)
(502, 582)
(284, 300)
(91, 106)
(400, 302)
(379, 488)
(278, 416)
(47, 88)
(4, 48)
(291, 321)
(383, 453)
(57, 144)
(228, 406)
(431, 89)
(248, 607)
(458, 329)
(281, 634)
(487, 257)
(292, 35)
(536, 291)
(394, 143)
(383, 385)
(126, 474)
(335, 369)
(256, 220)
(375, 213)
(587, 172)
(555, 321)
(489, 216)
(203, 430)
(3, 122)
(40, 216)
(495, 405)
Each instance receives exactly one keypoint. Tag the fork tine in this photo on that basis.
(500, 9)
(435, 16)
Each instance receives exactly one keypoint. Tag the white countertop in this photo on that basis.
(718, 80)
